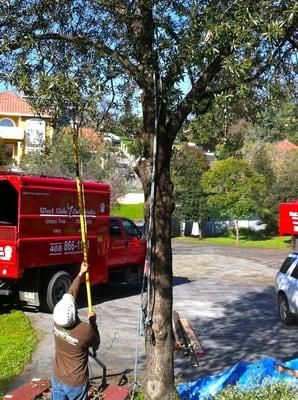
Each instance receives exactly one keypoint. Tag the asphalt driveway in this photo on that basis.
(226, 293)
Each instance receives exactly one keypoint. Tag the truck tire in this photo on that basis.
(284, 311)
(57, 286)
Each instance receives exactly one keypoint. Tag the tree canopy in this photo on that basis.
(188, 166)
(234, 189)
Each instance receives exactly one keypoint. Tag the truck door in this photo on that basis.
(117, 247)
(135, 243)
(8, 232)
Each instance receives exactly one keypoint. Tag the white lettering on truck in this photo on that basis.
(5, 253)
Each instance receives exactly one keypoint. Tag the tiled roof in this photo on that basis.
(12, 103)
(94, 138)
(286, 145)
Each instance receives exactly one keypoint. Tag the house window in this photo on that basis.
(8, 123)
(35, 135)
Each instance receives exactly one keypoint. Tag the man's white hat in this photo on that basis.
(65, 311)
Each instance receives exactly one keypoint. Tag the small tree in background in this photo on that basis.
(234, 189)
(187, 167)
(258, 157)
(279, 169)
(98, 165)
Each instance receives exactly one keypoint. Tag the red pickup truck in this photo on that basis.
(40, 238)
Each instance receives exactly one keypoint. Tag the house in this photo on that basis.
(94, 138)
(286, 145)
(21, 130)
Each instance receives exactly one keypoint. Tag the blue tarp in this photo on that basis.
(246, 375)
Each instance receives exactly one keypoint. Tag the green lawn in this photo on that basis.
(275, 242)
(17, 342)
(247, 238)
(131, 211)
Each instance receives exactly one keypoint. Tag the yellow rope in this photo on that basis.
(82, 215)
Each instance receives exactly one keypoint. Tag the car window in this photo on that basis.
(295, 272)
(286, 264)
(115, 231)
(131, 229)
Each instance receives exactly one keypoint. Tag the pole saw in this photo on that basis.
(80, 191)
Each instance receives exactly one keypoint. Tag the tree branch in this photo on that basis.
(79, 39)
(197, 93)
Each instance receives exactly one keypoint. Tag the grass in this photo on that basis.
(17, 342)
(131, 211)
(246, 239)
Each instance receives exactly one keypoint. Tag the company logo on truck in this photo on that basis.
(68, 211)
(294, 216)
(5, 253)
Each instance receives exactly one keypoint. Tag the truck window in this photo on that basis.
(115, 231)
(131, 229)
(8, 204)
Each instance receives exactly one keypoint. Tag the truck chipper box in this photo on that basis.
(40, 238)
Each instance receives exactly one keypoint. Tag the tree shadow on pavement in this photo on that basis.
(248, 329)
(179, 280)
(102, 293)
(107, 292)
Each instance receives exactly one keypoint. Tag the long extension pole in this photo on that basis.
(82, 211)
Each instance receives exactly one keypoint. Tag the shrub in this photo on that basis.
(274, 391)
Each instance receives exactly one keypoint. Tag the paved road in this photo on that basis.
(226, 293)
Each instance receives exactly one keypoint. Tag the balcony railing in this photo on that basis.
(11, 133)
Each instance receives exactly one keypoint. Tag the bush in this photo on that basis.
(275, 391)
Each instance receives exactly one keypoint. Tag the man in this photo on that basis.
(72, 341)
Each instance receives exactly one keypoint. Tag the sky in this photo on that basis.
(4, 87)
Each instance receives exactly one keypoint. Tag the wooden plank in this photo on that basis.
(178, 333)
(191, 337)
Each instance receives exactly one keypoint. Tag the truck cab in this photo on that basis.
(127, 249)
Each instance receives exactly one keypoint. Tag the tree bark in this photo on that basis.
(237, 230)
(159, 381)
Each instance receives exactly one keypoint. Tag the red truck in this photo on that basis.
(288, 218)
(40, 238)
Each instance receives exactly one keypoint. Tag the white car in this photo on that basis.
(287, 289)
(112, 139)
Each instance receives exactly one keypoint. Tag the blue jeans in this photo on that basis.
(61, 391)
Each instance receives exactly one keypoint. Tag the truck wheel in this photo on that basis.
(57, 286)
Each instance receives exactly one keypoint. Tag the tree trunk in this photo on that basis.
(159, 343)
(237, 230)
